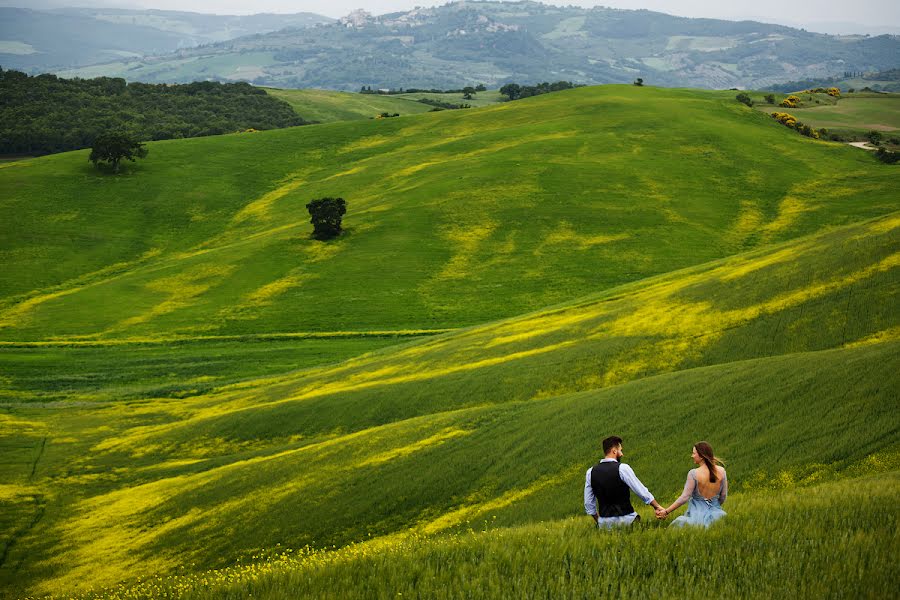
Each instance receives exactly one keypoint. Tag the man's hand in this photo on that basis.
(661, 514)
(596, 517)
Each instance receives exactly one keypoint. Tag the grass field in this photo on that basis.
(190, 386)
(484, 424)
(326, 106)
(210, 236)
(480, 99)
(567, 559)
(852, 116)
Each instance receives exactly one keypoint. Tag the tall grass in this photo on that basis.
(832, 540)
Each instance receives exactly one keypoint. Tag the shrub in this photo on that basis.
(834, 92)
(875, 137)
(791, 122)
(744, 99)
(770, 98)
(887, 157)
(785, 119)
(790, 102)
(639, 82)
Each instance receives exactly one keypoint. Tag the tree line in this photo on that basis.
(514, 91)
(367, 89)
(43, 114)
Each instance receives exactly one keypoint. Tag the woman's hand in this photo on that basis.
(661, 513)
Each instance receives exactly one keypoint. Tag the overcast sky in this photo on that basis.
(883, 15)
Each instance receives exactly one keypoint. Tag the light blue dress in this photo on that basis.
(701, 511)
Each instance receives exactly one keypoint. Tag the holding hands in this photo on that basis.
(661, 513)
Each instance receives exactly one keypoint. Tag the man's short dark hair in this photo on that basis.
(610, 443)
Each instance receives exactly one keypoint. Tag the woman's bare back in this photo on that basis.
(707, 488)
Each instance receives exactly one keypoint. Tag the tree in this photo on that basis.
(512, 90)
(875, 137)
(113, 147)
(744, 99)
(326, 217)
(639, 82)
(770, 98)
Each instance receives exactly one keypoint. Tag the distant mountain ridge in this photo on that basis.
(496, 42)
(41, 40)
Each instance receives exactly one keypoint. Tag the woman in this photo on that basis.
(705, 490)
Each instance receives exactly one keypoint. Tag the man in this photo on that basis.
(607, 497)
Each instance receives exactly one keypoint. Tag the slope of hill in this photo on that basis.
(40, 40)
(325, 106)
(465, 43)
(787, 353)
(453, 219)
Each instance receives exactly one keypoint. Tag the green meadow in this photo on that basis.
(881, 113)
(853, 115)
(198, 400)
(479, 99)
(326, 106)
(456, 218)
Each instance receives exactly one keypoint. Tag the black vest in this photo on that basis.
(613, 496)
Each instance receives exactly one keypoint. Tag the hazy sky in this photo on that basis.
(872, 13)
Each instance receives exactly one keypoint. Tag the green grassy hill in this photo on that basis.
(189, 382)
(326, 106)
(792, 348)
(455, 218)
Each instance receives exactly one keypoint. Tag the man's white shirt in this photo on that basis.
(626, 474)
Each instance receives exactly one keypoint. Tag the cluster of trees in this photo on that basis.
(514, 91)
(367, 89)
(44, 114)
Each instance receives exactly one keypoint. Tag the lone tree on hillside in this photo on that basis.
(639, 81)
(113, 147)
(743, 98)
(326, 217)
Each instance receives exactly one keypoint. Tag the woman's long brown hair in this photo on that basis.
(706, 453)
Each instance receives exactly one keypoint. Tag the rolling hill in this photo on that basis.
(792, 347)
(191, 385)
(453, 221)
(493, 43)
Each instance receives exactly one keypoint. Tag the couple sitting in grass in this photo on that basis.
(609, 483)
